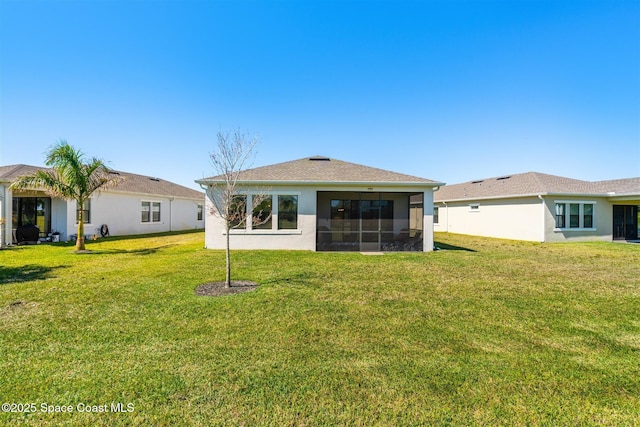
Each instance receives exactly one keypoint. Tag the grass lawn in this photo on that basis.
(490, 332)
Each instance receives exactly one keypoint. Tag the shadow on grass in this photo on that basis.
(140, 236)
(142, 251)
(25, 273)
(439, 246)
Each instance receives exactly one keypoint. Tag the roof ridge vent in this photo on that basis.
(154, 179)
(319, 159)
(503, 178)
(478, 181)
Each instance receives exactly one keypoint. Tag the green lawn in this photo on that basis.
(489, 332)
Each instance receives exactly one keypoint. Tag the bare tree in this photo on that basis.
(234, 154)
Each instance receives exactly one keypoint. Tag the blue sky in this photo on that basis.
(446, 90)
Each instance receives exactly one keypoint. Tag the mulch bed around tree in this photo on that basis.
(216, 289)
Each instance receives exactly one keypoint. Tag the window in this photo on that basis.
(146, 209)
(86, 212)
(155, 212)
(588, 215)
(237, 215)
(287, 212)
(435, 215)
(560, 215)
(574, 215)
(150, 212)
(199, 210)
(261, 216)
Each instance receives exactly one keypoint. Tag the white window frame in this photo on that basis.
(436, 216)
(274, 214)
(199, 212)
(87, 221)
(151, 203)
(567, 215)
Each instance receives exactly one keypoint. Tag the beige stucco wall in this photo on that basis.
(602, 218)
(522, 218)
(304, 238)
(517, 219)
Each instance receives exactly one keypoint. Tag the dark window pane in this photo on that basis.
(146, 211)
(237, 212)
(588, 215)
(287, 212)
(262, 214)
(574, 215)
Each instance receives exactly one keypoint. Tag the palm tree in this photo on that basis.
(71, 179)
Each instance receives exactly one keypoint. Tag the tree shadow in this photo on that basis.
(25, 273)
(142, 251)
(439, 246)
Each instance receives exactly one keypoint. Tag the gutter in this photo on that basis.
(446, 208)
(543, 218)
(328, 183)
(3, 220)
(519, 196)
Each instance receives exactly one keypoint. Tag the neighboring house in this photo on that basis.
(137, 205)
(539, 207)
(324, 204)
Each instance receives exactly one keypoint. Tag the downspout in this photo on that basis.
(446, 209)
(170, 214)
(543, 218)
(3, 220)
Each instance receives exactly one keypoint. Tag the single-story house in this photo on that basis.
(137, 205)
(323, 204)
(539, 207)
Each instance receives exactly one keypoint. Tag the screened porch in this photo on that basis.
(369, 221)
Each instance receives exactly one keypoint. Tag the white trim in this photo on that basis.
(268, 192)
(151, 221)
(567, 215)
(588, 202)
(374, 184)
(236, 232)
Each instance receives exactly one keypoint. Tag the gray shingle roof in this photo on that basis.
(320, 169)
(129, 182)
(533, 183)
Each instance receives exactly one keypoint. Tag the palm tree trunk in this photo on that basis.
(80, 214)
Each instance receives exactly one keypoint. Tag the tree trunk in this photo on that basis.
(80, 216)
(227, 282)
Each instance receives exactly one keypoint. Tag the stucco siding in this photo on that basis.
(602, 219)
(518, 218)
(304, 238)
(121, 212)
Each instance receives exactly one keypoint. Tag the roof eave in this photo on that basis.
(326, 183)
(518, 196)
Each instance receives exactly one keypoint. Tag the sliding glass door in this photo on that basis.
(625, 222)
(32, 211)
